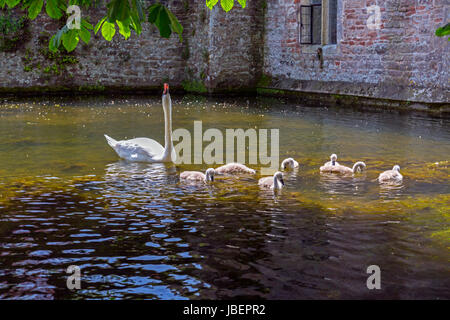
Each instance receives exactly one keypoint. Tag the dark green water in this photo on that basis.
(137, 232)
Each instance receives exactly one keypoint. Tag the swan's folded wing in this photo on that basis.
(148, 144)
(133, 151)
(152, 146)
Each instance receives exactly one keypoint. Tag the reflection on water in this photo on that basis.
(137, 231)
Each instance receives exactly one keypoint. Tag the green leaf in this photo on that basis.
(243, 3)
(70, 40)
(118, 10)
(84, 34)
(86, 24)
(12, 3)
(99, 24)
(52, 44)
(158, 15)
(136, 22)
(108, 30)
(137, 8)
(54, 9)
(35, 8)
(162, 22)
(227, 5)
(153, 12)
(55, 41)
(211, 3)
(175, 24)
(124, 28)
(443, 31)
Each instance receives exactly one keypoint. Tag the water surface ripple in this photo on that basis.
(137, 232)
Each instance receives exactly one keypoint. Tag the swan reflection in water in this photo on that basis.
(343, 184)
(392, 189)
(137, 182)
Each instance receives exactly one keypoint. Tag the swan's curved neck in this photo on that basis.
(358, 166)
(168, 144)
(276, 186)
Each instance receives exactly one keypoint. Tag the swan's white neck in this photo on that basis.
(276, 184)
(168, 146)
(358, 166)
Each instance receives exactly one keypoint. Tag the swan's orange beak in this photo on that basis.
(166, 88)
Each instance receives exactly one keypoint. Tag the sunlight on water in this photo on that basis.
(136, 231)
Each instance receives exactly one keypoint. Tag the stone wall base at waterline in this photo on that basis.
(309, 98)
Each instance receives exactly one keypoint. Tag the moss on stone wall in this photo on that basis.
(47, 63)
(14, 31)
(194, 86)
(264, 81)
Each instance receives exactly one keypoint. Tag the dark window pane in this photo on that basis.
(333, 21)
(305, 24)
(317, 24)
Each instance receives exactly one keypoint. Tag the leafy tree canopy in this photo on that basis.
(122, 15)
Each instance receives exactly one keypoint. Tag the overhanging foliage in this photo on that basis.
(124, 15)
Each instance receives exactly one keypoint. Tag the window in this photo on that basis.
(311, 24)
(332, 16)
(318, 21)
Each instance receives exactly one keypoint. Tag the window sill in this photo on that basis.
(329, 49)
(312, 48)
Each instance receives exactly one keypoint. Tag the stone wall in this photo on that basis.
(219, 51)
(247, 48)
(403, 60)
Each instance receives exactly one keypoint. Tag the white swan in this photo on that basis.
(333, 162)
(275, 183)
(145, 149)
(391, 175)
(289, 164)
(357, 167)
(196, 176)
(234, 168)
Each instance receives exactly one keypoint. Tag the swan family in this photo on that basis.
(149, 150)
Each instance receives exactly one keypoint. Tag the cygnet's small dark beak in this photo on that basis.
(212, 178)
(282, 181)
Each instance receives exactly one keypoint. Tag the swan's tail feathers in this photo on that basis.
(359, 166)
(111, 141)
